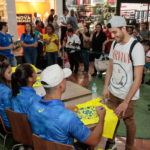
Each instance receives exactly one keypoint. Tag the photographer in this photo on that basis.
(72, 45)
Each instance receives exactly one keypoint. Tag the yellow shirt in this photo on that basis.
(51, 47)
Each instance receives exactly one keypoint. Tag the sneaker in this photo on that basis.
(110, 146)
(21, 148)
(100, 75)
(94, 74)
(148, 82)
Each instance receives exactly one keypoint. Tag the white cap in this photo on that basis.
(54, 75)
(117, 21)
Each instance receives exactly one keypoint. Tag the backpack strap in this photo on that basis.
(114, 44)
(130, 54)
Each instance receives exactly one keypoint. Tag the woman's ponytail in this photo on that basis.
(20, 77)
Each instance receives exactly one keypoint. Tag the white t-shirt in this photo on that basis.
(122, 75)
(63, 19)
(71, 40)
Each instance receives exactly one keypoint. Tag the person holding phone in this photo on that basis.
(51, 42)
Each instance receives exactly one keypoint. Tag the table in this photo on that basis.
(72, 92)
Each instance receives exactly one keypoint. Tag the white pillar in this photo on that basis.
(59, 7)
(52, 4)
(12, 20)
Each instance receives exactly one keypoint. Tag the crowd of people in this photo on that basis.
(61, 41)
(47, 114)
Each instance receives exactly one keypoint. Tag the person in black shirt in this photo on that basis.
(51, 16)
(98, 39)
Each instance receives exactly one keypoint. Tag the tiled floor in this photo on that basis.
(140, 144)
(84, 79)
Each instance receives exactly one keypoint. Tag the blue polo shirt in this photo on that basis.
(5, 41)
(5, 102)
(24, 99)
(28, 39)
(52, 121)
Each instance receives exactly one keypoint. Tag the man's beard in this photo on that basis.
(121, 38)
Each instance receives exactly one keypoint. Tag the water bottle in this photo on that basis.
(94, 91)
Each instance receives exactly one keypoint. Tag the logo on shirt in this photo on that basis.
(18, 93)
(119, 76)
(41, 110)
(121, 56)
(32, 39)
(9, 39)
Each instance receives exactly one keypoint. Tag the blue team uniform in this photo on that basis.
(28, 39)
(5, 41)
(30, 53)
(5, 102)
(52, 121)
(24, 99)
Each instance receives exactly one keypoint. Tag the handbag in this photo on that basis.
(101, 63)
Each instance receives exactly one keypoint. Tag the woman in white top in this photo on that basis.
(55, 24)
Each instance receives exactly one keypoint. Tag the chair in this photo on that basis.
(6, 132)
(39, 144)
(20, 127)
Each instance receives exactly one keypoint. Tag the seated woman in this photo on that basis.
(23, 94)
(5, 91)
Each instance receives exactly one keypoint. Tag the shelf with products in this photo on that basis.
(90, 14)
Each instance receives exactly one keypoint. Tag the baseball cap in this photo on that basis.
(117, 21)
(54, 75)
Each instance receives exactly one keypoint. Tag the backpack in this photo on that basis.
(130, 53)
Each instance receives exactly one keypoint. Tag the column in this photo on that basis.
(12, 20)
(52, 4)
(59, 7)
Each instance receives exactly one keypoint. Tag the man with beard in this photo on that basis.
(123, 77)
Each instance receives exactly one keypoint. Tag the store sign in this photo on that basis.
(133, 6)
(24, 18)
